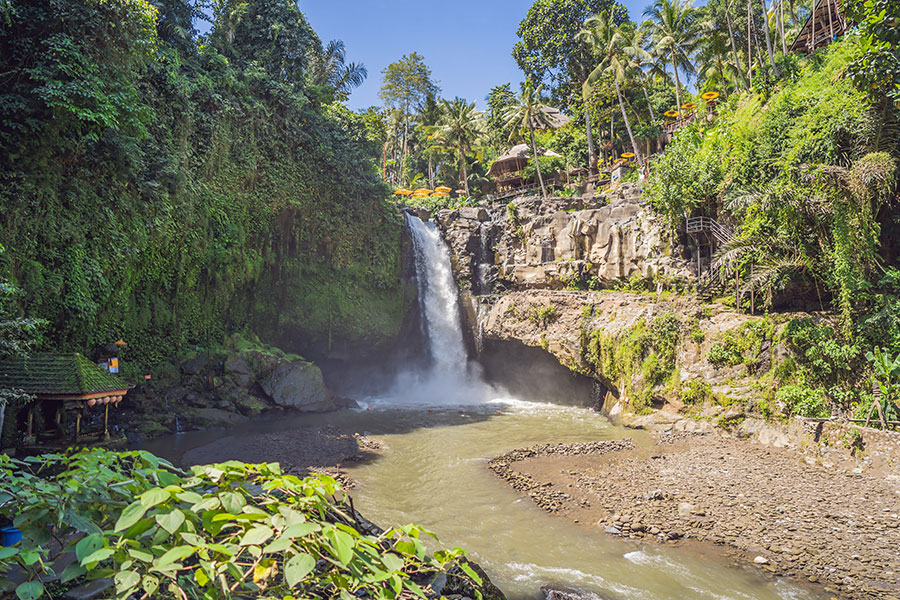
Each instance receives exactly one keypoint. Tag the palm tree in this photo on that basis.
(638, 58)
(328, 67)
(461, 124)
(605, 41)
(714, 68)
(525, 115)
(673, 28)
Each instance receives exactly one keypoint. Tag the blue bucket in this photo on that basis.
(10, 536)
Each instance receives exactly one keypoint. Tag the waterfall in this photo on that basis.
(438, 299)
(448, 379)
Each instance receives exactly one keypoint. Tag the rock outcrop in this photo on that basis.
(531, 243)
(224, 388)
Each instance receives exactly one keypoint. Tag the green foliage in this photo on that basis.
(742, 345)
(697, 392)
(512, 213)
(877, 70)
(803, 401)
(548, 49)
(212, 191)
(549, 166)
(887, 378)
(543, 315)
(223, 531)
(647, 350)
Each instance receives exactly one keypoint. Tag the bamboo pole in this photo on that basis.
(811, 41)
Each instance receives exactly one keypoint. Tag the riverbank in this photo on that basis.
(790, 516)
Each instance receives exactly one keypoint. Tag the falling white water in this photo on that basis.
(449, 380)
(438, 297)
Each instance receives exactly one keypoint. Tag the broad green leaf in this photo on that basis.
(341, 545)
(392, 562)
(151, 498)
(171, 521)
(126, 580)
(30, 590)
(87, 546)
(95, 557)
(72, 571)
(131, 515)
(193, 539)
(257, 535)
(140, 555)
(468, 570)
(167, 478)
(7, 552)
(279, 545)
(150, 583)
(300, 530)
(178, 553)
(191, 497)
(201, 577)
(232, 502)
(298, 567)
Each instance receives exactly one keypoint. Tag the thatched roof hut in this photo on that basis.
(515, 159)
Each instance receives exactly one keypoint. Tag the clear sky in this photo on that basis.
(467, 43)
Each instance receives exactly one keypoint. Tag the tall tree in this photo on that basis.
(499, 99)
(328, 66)
(461, 124)
(605, 42)
(634, 42)
(548, 51)
(526, 115)
(673, 28)
(407, 84)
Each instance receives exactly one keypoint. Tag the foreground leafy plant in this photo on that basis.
(224, 531)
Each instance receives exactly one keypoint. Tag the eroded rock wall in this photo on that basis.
(535, 244)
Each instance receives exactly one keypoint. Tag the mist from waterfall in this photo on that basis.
(448, 379)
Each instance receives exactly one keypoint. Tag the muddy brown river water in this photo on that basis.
(433, 471)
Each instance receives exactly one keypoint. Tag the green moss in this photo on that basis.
(641, 359)
(742, 345)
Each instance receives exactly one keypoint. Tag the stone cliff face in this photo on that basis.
(536, 244)
(533, 273)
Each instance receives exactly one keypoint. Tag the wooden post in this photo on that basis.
(106, 423)
(737, 292)
(811, 42)
(830, 21)
(77, 426)
(30, 417)
(752, 293)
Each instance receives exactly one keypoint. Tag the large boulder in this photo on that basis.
(298, 385)
(240, 371)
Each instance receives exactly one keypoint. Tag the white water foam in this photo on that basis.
(450, 380)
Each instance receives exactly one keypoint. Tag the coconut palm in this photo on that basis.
(673, 28)
(460, 124)
(328, 66)
(606, 43)
(714, 68)
(525, 115)
(634, 44)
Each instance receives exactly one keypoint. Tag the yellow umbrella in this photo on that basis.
(710, 95)
(460, 191)
(443, 190)
(628, 155)
(671, 113)
(423, 191)
(402, 193)
(689, 106)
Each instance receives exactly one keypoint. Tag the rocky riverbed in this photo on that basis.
(788, 515)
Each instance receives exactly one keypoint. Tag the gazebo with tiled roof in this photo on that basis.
(68, 383)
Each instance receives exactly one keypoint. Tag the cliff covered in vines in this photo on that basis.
(168, 187)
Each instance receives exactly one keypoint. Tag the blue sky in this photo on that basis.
(467, 43)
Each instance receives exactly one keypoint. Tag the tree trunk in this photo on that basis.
(462, 168)
(592, 152)
(737, 61)
(637, 151)
(769, 38)
(430, 170)
(784, 49)
(649, 105)
(405, 142)
(537, 163)
(677, 84)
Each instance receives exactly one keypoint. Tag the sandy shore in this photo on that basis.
(791, 518)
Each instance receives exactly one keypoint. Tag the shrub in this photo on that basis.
(803, 401)
(697, 392)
